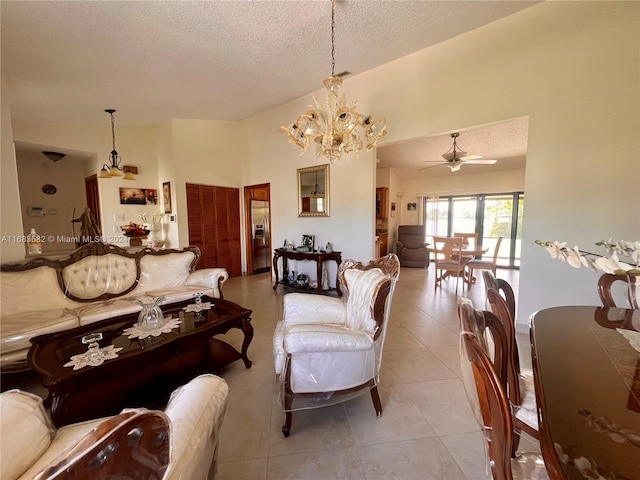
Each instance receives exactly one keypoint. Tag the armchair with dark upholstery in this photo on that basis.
(411, 246)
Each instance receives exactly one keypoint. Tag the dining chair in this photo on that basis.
(467, 237)
(607, 285)
(490, 406)
(520, 384)
(448, 260)
(502, 286)
(475, 264)
(467, 240)
(328, 350)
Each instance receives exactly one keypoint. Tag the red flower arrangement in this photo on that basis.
(135, 230)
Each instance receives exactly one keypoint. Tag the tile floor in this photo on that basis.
(426, 430)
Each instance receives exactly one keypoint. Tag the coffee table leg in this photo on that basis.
(247, 328)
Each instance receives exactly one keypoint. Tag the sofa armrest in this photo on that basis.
(196, 411)
(209, 277)
(305, 308)
(325, 338)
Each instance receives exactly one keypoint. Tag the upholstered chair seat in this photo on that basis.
(326, 349)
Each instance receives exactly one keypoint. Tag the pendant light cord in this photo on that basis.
(113, 132)
(333, 38)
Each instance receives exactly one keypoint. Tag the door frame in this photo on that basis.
(254, 192)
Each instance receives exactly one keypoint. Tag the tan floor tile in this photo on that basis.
(400, 339)
(434, 336)
(444, 404)
(421, 459)
(243, 470)
(400, 420)
(318, 465)
(469, 452)
(409, 366)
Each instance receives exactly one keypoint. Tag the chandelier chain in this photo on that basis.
(113, 132)
(333, 38)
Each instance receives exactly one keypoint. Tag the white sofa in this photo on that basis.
(98, 281)
(32, 448)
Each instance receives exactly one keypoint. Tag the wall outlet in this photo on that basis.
(117, 229)
(118, 217)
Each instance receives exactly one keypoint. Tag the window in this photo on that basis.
(491, 215)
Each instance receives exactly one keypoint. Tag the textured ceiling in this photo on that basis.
(225, 60)
(505, 142)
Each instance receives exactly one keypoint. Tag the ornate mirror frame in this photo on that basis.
(313, 191)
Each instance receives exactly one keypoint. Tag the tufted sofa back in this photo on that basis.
(100, 271)
(93, 276)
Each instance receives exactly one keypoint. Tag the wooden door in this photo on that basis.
(214, 226)
(93, 197)
(255, 192)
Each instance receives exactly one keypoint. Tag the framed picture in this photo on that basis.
(411, 206)
(151, 196)
(308, 241)
(166, 195)
(132, 196)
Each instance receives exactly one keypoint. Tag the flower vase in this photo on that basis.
(135, 241)
(151, 316)
(155, 237)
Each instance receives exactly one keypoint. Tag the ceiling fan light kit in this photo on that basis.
(455, 157)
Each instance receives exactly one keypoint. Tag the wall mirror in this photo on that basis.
(313, 191)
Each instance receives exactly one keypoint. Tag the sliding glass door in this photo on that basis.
(491, 215)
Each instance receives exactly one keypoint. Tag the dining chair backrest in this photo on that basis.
(500, 309)
(489, 332)
(468, 237)
(502, 286)
(448, 259)
(488, 401)
(448, 249)
(607, 284)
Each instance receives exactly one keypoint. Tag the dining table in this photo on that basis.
(468, 250)
(586, 364)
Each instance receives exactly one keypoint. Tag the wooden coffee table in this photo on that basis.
(146, 370)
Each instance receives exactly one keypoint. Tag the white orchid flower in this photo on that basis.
(573, 258)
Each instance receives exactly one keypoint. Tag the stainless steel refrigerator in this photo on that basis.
(260, 235)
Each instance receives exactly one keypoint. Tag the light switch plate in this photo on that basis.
(118, 217)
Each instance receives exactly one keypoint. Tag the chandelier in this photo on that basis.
(113, 169)
(334, 129)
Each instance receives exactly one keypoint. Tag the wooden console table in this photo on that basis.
(318, 257)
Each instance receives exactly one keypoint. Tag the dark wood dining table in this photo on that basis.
(586, 363)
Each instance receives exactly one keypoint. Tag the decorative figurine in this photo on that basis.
(329, 247)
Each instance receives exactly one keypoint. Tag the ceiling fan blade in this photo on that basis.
(432, 166)
(473, 156)
(480, 161)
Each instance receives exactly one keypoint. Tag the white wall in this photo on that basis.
(572, 67)
(10, 211)
(67, 175)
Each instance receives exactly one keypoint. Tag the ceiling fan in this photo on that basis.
(455, 158)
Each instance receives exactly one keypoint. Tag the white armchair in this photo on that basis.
(328, 350)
